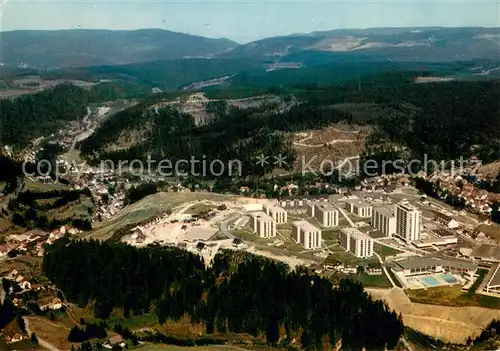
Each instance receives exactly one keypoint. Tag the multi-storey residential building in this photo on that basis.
(359, 208)
(306, 234)
(278, 214)
(327, 215)
(384, 220)
(356, 242)
(311, 208)
(264, 225)
(407, 221)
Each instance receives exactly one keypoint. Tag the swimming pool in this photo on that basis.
(429, 281)
(448, 278)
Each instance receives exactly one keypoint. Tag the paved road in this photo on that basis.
(41, 342)
(224, 225)
(385, 270)
(83, 135)
(407, 344)
(346, 216)
(2, 294)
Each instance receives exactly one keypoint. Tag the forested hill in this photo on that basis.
(240, 293)
(40, 114)
(443, 120)
(81, 47)
(234, 134)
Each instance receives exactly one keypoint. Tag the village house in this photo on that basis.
(51, 303)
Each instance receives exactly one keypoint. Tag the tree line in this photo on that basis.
(239, 293)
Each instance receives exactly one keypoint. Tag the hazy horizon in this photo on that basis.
(244, 21)
(226, 37)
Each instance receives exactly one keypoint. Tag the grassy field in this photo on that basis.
(135, 322)
(481, 275)
(42, 187)
(452, 296)
(340, 255)
(375, 281)
(198, 208)
(330, 235)
(52, 332)
(394, 278)
(385, 251)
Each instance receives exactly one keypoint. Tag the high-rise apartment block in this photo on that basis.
(264, 225)
(359, 208)
(384, 220)
(306, 234)
(356, 242)
(408, 220)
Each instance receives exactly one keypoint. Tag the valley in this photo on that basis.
(334, 190)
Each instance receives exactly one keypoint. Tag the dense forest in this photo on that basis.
(239, 293)
(241, 134)
(441, 120)
(51, 209)
(40, 114)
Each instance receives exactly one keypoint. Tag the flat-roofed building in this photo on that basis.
(408, 221)
(327, 215)
(359, 208)
(493, 280)
(306, 234)
(278, 214)
(384, 220)
(356, 242)
(430, 265)
(264, 225)
(487, 253)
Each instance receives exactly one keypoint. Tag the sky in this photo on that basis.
(245, 21)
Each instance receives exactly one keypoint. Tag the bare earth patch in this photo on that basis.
(451, 324)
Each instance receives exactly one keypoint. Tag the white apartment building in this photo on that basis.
(359, 208)
(327, 215)
(408, 219)
(356, 242)
(264, 225)
(278, 214)
(384, 220)
(311, 208)
(306, 234)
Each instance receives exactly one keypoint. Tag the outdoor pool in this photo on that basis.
(429, 281)
(448, 278)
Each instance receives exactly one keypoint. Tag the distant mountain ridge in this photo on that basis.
(433, 44)
(92, 47)
(81, 47)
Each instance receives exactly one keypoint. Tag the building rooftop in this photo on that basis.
(495, 279)
(355, 233)
(417, 262)
(487, 252)
(358, 202)
(326, 207)
(305, 225)
(385, 211)
(407, 206)
(277, 209)
(262, 216)
(443, 233)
